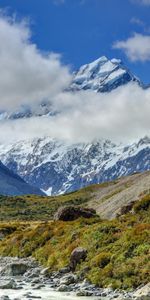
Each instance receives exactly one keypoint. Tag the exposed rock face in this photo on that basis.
(77, 255)
(72, 213)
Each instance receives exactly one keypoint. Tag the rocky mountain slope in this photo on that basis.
(58, 168)
(12, 184)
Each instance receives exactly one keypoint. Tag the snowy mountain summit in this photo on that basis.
(102, 75)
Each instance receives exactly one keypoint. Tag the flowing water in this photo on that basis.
(43, 294)
(30, 285)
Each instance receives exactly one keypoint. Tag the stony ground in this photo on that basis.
(22, 279)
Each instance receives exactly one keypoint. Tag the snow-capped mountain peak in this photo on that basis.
(102, 75)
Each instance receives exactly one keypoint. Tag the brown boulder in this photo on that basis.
(71, 213)
(77, 255)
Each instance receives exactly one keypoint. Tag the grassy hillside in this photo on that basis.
(107, 198)
(37, 208)
(118, 251)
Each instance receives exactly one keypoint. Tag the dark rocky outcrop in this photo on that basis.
(72, 213)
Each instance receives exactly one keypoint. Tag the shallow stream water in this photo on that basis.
(29, 285)
(43, 294)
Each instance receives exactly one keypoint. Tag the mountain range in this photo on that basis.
(57, 167)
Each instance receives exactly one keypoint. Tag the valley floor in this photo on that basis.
(118, 249)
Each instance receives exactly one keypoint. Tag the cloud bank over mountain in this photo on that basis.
(120, 115)
(30, 76)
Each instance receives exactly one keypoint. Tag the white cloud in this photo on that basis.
(60, 2)
(142, 2)
(121, 115)
(137, 47)
(57, 2)
(145, 2)
(137, 21)
(27, 74)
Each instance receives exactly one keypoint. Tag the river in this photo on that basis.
(24, 279)
(43, 294)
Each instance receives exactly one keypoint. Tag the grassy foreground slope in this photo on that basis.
(107, 198)
(118, 249)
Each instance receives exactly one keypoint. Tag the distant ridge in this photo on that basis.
(13, 185)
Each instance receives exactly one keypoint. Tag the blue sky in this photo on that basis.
(83, 30)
